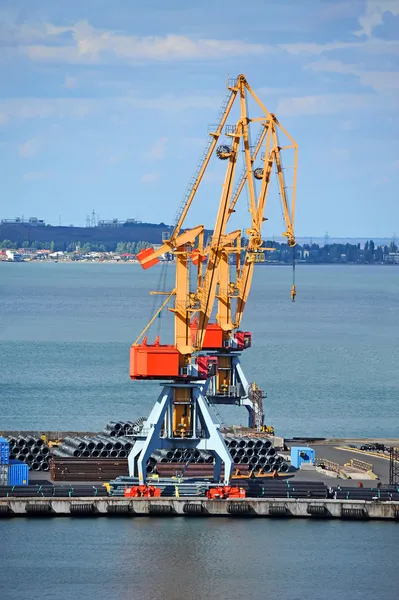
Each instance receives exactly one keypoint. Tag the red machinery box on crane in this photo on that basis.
(154, 361)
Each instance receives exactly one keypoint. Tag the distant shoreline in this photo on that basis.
(130, 263)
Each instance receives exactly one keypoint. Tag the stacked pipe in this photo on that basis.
(87, 469)
(30, 450)
(256, 452)
(99, 446)
(50, 490)
(123, 428)
(169, 487)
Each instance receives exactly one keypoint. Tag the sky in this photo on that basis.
(105, 105)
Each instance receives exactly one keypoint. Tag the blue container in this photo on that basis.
(4, 451)
(18, 473)
(302, 455)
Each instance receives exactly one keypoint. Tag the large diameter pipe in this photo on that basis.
(108, 444)
(271, 451)
(78, 443)
(72, 450)
(283, 468)
(233, 443)
(250, 442)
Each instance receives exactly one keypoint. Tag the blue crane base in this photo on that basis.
(157, 433)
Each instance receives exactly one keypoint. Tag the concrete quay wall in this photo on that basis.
(304, 508)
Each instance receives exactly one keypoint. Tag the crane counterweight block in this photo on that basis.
(145, 254)
(154, 361)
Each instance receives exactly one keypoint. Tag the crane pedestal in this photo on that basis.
(181, 418)
(230, 386)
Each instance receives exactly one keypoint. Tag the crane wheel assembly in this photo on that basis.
(201, 368)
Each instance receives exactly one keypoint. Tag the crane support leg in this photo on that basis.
(158, 433)
(146, 446)
(216, 442)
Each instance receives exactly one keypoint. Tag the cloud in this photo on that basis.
(30, 148)
(82, 43)
(378, 80)
(46, 108)
(70, 82)
(369, 46)
(159, 147)
(325, 104)
(36, 175)
(151, 177)
(374, 15)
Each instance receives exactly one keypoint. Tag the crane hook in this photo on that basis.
(293, 290)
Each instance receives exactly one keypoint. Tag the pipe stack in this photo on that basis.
(124, 428)
(30, 450)
(258, 453)
(90, 469)
(99, 446)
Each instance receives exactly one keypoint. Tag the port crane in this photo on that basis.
(202, 366)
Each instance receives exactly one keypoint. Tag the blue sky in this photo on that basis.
(105, 105)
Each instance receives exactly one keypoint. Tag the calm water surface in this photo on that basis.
(195, 559)
(329, 364)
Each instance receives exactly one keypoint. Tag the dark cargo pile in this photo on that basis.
(87, 469)
(30, 450)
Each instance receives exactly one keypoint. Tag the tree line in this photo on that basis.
(309, 253)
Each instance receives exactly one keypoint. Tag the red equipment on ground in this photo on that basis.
(225, 491)
(142, 491)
